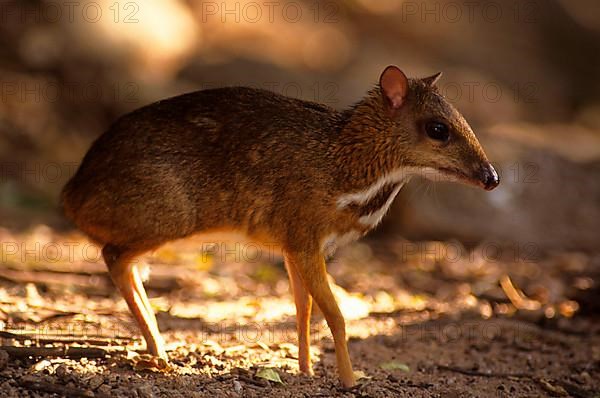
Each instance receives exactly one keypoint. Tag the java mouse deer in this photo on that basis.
(280, 170)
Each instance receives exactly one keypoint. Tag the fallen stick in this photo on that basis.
(250, 380)
(575, 390)
(469, 372)
(162, 278)
(61, 279)
(67, 352)
(517, 297)
(44, 338)
(81, 268)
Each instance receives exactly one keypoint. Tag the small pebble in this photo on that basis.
(3, 359)
(237, 387)
(145, 391)
(41, 365)
(62, 371)
(96, 382)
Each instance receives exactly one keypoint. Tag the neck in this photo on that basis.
(362, 153)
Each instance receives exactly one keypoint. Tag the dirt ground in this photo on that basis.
(428, 319)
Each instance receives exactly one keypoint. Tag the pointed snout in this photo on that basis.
(489, 177)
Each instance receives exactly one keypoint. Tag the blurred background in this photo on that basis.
(525, 74)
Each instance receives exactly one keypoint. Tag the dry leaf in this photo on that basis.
(394, 365)
(269, 374)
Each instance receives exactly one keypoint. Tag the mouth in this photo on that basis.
(460, 176)
(488, 180)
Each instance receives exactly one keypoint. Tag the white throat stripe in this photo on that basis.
(401, 175)
(372, 219)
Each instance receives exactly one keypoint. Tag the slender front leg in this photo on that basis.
(126, 278)
(311, 268)
(303, 301)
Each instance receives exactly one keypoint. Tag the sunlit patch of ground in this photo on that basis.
(424, 319)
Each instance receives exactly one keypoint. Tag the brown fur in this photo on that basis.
(253, 161)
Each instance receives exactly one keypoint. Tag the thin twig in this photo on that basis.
(52, 278)
(575, 390)
(33, 334)
(518, 299)
(70, 352)
(44, 338)
(81, 268)
(250, 380)
(469, 372)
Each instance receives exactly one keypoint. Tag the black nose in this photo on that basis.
(490, 178)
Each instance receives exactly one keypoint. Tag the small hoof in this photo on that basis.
(307, 371)
(349, 383)
(150, 362)
(349, 387)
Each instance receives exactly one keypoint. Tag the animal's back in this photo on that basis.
(157, 171)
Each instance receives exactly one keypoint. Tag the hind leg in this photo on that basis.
(125, 275)
(303, 301)
(138, 285)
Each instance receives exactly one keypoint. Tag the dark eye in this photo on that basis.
(437, 131)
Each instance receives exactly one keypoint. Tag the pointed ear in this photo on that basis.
(432, 80)
(394, 86)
